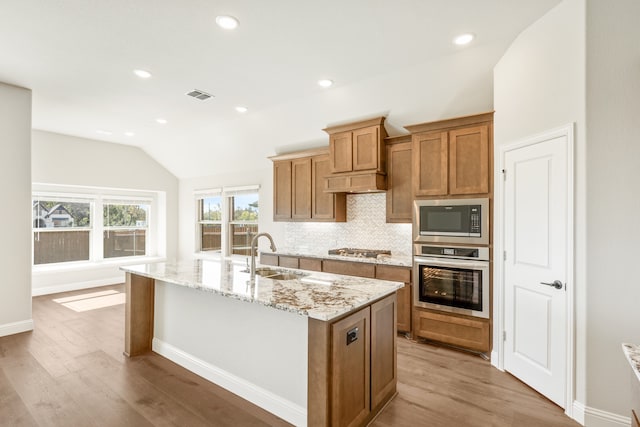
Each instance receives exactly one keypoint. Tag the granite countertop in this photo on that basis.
(395, 260)
(632, 352)
(321, 296)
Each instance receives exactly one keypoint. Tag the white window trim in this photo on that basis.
(97, 197)
(225, 225)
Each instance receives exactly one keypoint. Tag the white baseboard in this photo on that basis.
(16, 327)
(593, 417)
(46, 290)
(283, 408)
(578, 412)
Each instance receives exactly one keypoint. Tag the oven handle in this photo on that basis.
(459, 263)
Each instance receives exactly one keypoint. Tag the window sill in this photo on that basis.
(92, 265)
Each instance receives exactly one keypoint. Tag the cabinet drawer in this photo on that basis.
(313, 264)
(268, 259)
(288, 261)
(349, 268)
(395, 274)
(461, 331)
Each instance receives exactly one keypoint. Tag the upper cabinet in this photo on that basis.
(399, 179)
(298, 181)
(357, 157)
(452, 157)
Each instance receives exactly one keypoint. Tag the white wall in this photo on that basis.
(15, 187)
(613, 204)
(539, 84)
(68, 160)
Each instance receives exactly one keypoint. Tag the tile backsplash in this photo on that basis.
(366, 228)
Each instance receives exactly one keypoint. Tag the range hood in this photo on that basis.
(365, 182)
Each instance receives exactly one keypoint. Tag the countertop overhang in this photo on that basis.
(632, 353)
(321, 296)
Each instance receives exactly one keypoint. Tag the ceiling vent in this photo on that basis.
(198, 94)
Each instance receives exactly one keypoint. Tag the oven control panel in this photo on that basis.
(479, 253)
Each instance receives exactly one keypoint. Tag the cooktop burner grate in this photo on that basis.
(362, 253)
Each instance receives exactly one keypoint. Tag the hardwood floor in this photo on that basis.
(70, 371)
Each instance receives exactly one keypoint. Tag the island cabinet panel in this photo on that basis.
(349, 268)
(634, 419)
(350, 377)
(138, 316)
(399, 183)
(300, 188)
(383, 351)
(281, 190)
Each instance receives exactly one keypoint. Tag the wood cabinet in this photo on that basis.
(352, 366)
(463, 331)
(357, 157)
(298, 188)
(399, 180)
(359, 269)
(404, 302)
(453, 157)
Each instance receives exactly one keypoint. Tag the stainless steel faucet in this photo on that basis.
(254, 244)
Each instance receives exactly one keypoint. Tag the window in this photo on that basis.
(227, 220)
(76, 227)
(61, 230)
(125, 228)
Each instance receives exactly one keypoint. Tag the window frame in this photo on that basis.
(227, 222)
(98, 198)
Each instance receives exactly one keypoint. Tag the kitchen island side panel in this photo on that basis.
(266, 347)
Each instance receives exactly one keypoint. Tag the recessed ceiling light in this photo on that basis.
(143, 74)
(162, 121)
(325, 82)
(241, 109)
(129, 134)
(463, 39)
(227, 22)
(104, 132)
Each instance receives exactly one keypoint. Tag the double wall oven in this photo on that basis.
(449, 276)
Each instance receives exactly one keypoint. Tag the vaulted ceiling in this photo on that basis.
(392, 58)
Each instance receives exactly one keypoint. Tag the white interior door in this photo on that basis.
(536, 242)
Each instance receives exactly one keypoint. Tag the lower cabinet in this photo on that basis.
(468, 332)
(352, 366)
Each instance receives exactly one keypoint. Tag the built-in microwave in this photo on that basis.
(463, 221)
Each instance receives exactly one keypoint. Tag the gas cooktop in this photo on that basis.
(359, 253)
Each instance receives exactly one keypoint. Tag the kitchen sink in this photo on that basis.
(271, 273)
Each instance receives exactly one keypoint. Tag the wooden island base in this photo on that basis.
(351, 369)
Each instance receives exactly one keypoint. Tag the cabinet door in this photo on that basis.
(324, 205)
(365, 148)
(383, 350)
(301, 188)
(350, 376)
(469, 160)
(430, 158)
(281, 190)
(341, 152)
(399, 193)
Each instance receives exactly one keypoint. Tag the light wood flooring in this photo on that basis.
(70, 371)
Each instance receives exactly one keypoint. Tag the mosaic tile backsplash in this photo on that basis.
(366, 228)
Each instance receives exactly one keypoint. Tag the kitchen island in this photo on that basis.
(313, 348)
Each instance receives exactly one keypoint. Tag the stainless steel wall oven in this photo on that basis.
(452, 279)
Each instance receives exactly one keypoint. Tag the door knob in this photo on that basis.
(556, 284)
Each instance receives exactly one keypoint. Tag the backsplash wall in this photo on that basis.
(366, 228)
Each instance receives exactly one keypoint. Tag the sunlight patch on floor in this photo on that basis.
(92, 301)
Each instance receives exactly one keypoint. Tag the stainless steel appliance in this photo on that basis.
(452, 279)
(464, 221)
